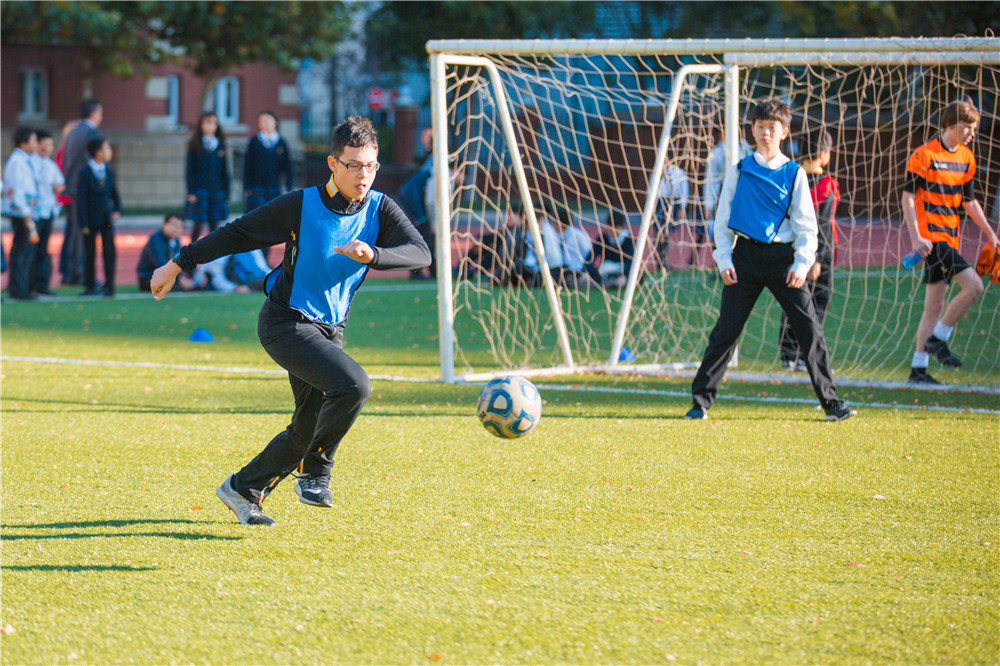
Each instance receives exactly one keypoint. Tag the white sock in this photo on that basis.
(942, 332)
(921, 360)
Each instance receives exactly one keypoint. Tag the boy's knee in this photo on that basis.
(356, 391)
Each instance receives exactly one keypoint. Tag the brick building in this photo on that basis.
(147, 118)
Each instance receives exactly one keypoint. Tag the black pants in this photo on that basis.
(41, 265)
(22, 253)
(107, 234)
(759, 265)
(329, 388)
(821, 289)
(71, 254)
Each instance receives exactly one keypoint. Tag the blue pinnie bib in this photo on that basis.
(324, 282)
(762, 200)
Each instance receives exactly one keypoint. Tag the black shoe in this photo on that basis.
(46, 292)
(314, 490)
(108, 293)
(920, 376)
(248, 513)
(92, 292)
(941, 352)
(838, 411)
(18, 296)
(696, 413)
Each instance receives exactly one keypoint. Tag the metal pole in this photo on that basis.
(442, 214)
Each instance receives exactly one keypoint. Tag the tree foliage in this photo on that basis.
(398, 31)
(119, 37)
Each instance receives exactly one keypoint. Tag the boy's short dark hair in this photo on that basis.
(959, 111)
(88, 106)
(95, 145)
(616, 219)
(355, 132)
(171, 215)
(22, 135)
(43, 134)
(558, 214)
(814, 143)
(771, 108)
(268, 112)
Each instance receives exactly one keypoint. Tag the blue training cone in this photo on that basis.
(201, 335)
(626, 355)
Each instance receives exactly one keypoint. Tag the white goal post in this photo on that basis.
(589, 127)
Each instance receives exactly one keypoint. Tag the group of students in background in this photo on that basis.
(39, 181)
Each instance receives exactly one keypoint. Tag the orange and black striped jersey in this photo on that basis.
(940, 180)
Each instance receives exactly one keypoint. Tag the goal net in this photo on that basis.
(545, 150)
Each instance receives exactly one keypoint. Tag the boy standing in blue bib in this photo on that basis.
(333, 233)
(766, 236)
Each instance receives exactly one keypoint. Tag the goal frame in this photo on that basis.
(735, 55)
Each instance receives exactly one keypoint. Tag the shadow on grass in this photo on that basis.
(135, 409)
(109, 523)
(79, 567)
(84, 535)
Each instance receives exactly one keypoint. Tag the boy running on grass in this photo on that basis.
(332, 234)
(939, 184)
(765, 236)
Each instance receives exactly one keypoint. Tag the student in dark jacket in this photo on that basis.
(207, 174)
(98, 207)
(267, 164)
(162, 246)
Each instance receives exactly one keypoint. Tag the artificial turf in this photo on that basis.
(615, 533)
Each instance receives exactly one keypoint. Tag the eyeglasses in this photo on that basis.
(355, 167)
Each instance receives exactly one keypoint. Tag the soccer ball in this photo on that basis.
(510, 407)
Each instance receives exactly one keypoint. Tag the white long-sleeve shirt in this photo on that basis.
(800, 229)
(20, 187)
(576, 247)
(553, 247)
(48, 175)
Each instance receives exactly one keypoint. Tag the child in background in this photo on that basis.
(939, 185)
(99, 206)
(207, 176)
(825, 193)
(20, 206)
(161, 247)
(267, 164)
(50, 185)
(616, 248)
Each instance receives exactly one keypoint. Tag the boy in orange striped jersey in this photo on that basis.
(939, 184)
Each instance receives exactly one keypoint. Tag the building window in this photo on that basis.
(34, 93)
(227, 100)
(173, 99)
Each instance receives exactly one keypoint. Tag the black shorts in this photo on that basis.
(943, 263)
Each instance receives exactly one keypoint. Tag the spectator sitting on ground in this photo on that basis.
(211, 276)
(161, 247)
(577, 249)
(616, 248)
(500, 254)
(248, 268)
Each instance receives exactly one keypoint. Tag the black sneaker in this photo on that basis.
(696, 413)
(838, 411)
(920, 376)
(249, 513)
(314, 490)
(941, 352)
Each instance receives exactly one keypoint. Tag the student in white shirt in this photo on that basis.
(766, 236)
(51, 184)
(20, 205)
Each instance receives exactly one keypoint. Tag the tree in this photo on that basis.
(398, 31)
(120, 37)
(113, 34)
(217, 36)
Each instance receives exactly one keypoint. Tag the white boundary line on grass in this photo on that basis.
(552, 387)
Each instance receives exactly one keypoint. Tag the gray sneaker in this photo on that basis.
(314, 490)
(248, 512)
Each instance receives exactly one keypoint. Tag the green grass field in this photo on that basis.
(615, 533)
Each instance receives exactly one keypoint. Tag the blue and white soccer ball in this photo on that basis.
(510, 407)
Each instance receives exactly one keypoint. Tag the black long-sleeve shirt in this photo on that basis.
(398, 245)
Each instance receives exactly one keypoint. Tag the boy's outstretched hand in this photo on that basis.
(357, 250)
(163, 279)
